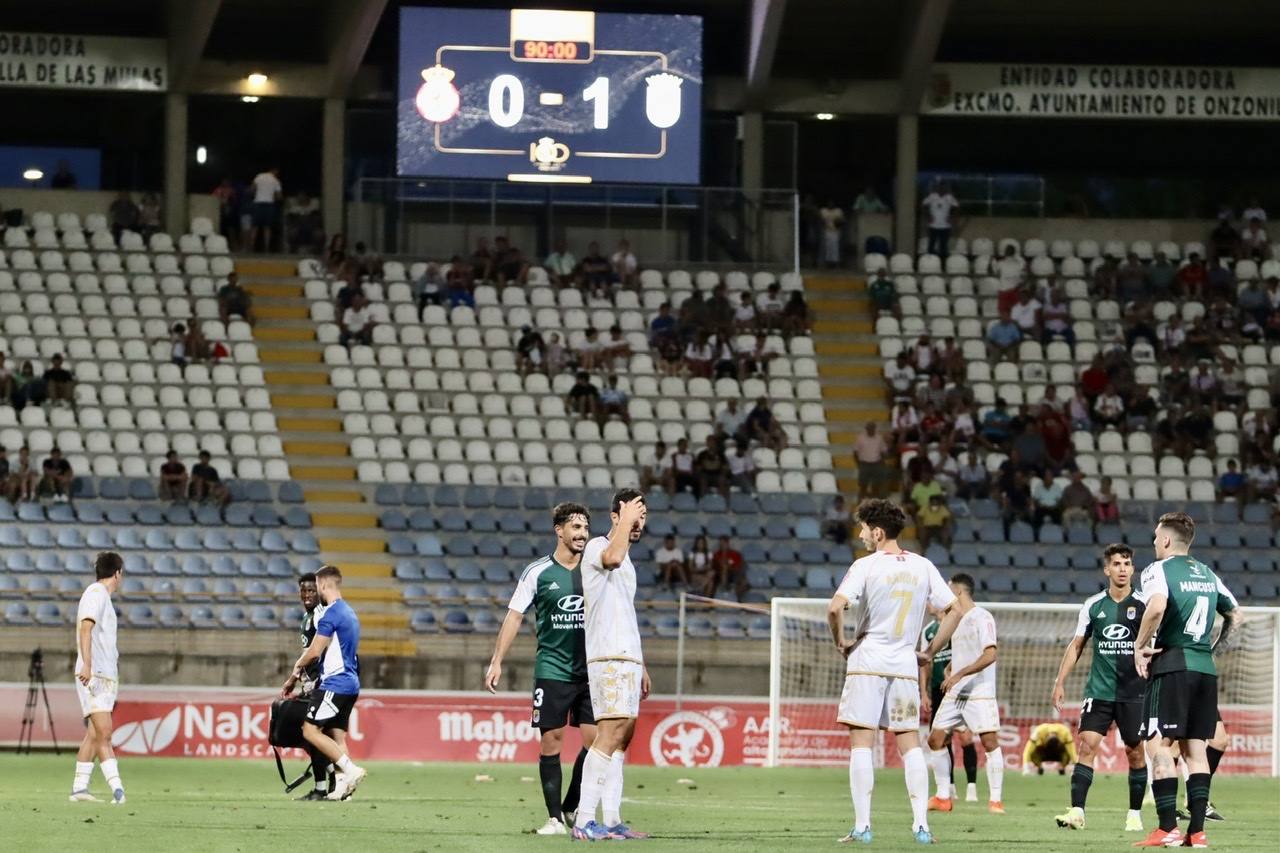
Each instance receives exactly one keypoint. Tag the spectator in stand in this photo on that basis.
(1254, 210)
(302, 224)
(123, 215)
(1011, 272)
(671, 563)
(698, 567)
(899, 377)
(206, 484)
(1056, 434)
(561, 265)
(1253, 241)
(1026, 313)
(481, 261)
(428, 288)
(835, 525)
(655, 468)
(683, 476)
(1106, 506)
(1232, 485)
(1052, 402)
(1030, 446)
(357, 323)
(868, 201)
(869, 451)
(1231, 387)
(940, 204)
(1224, 239)
(56, 476)
(584, 397)
(1106, 278)
(509, 264)
(530, 349)
(996, 425)
(1055, 316)
(6, 380)
(1046, 497)
(178, 344)
(615, 351)
(21, 485)
(951, 362)
(1015, 501)
(922, 355)
(729, 421)
(235, 301)
(149, 215)
(613, 402)
(1094, 379)
(663, 326)
(884, 294)
(1221, 283)
(770, 306)
(924, 489)
(1254, 302)
(173, 478)
(1175, 336)
(27, 387)
(670, 356)
(1139, 323)
(1204, 384)
(1160, 277)
(730, 569)
(712, 469)
(742, 467)
(1140, 410)
(932, 394)
(336, 255)
(755, 361)
(1133, 279)
(719, 320)
(972, 479)
(1003, 338)
(60, 385)
(624, 265)
(267, 192)
(198, 348)
(1108, 409)
(763, 427)
(460, 287)
(832, 217)
(350, 287)
(1263, 480)
(595, 270)
(1192, 278)
(1077, 501)
(744, 316)
(933, 520)
(796, 317)
(699, 354)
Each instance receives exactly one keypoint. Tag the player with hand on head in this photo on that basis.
(936, 674)
(1113, 694)
(969, 694)
(98, 678)
(887, 592)
(1182, 595)
(552, 585)
(615, 666)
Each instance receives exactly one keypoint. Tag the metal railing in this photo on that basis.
(992, 195)
(715, 226)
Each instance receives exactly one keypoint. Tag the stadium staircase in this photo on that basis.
(319, 453)
(848, 364)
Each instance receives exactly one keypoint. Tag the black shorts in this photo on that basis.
(1097, 715)
(1182, 706)
(555, 702)
(330, 710)
(263, 213)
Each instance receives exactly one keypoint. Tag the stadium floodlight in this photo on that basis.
(32, 174)
(249, 99)
(257, 80)
(824, 116)
(202, 155)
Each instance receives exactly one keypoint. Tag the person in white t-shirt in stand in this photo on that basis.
(887, 592)
(98, 678)
(267, 192)
(940, 204)
(832, 222)
(615, 666)
(968, 696)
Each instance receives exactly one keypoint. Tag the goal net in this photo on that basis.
(806, 675)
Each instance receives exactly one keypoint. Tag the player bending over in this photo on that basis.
(888, 591)
(615, 667)
(936, 674)
(1048, 742)
(1182, 595)
(553, 586)
(97, 678)
(1114, 691)
(336, 642)
(969, 695)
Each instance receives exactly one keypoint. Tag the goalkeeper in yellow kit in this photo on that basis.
(1049, 742)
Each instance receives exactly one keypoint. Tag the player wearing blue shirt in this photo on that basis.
(335, 646)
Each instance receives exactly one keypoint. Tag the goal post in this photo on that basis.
(806, 675)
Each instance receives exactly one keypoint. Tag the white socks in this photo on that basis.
(995, 774)
(611, 799)
(595, 772)
(941, 760)
(862, 779)
(917, 773)
(345, 764)
(111, 772)
(84, 769)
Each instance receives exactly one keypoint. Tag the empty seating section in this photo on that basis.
(438, 398)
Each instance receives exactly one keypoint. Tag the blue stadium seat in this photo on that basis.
(158, 539)
(282, 590)
(660, 526)
(129, 539)
(1079, 534)
(452, 520)
(202, 617)
(1027, 583)
(684, 502)
(772, 503)
(1109, 533)
(758, 577)
(188, 540)
(304, 542)
(700, 626)
(807, 529)
(997, 554)
(819, 580)
(79, 563)
(1056, 558)
(719, 525)
(1256, 513)
(748, 527)
(812, 553)
(89, 513)
(443, 496)
(646, 576)
(777, 529)
(998, 582)
(150, 515)
(468, 573)
(290, 493)
(171, 616)
(641, 552)
(457, 622)
(141, 490)
(1026, 558)
(782, 552)
(1228, 537)
(263, 619)
(759, 628)
(7, 512)
(112, 489)
(491, 547)
(49, 614)
(166, 565)
(803, 504)
(20, 561)
(507, 498)
(1257, 537)
(194, 565)
(232, 617)
(266, 516)
(140, 616)
(238, 515)
(416, 496)
(962, 530)
(1230, 562)
(786, 578)
(415, 593)
(965, 555)
(386, 494)
(658, 501)
(225, 567)
(448, 592)
(297, 517)
(740, 502)
(422, 519)
(16, 613)
(990, 531)
(1085, 558)
(259, 591)
(393, 519)
(399, 545)
(645, 624)
(61, 513)
(178, 515)
(1052, 534)
(511, 523)
(280, 567)
(423, 622)
(486, 622)
(11, 537)
(937, 554)
(688, 527)
(459, 546)
(483, 522)
(712, 502)
(984, 508)
(408, 570)
(83, 488)
(477, 497)
(49, 563)
(208, 516)
(434, 569)
(30, 512)
(224, 590)
(239, 540)
(41, 537)
(667, 626)
(118, 514)
(523, 549)
(39, 587)
(257, 491)
(1259, 561)
(428, 546)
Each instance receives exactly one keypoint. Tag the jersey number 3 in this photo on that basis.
(1198, 619)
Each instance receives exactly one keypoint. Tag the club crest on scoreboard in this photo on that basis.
(438, 99)
(662, 99)
(548, 155)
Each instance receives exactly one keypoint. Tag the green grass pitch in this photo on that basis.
(238, 805)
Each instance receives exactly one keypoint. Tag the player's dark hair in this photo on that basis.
(964, 580)
(1180, 525)
(328, 572)
(623, 496)
(566, 510)
(1116, 548)
(106, 564)
(308, 577)
(886, 515)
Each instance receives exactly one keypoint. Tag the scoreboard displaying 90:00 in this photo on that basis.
(549, 96)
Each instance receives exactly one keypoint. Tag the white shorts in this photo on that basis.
(615, 688)
(977, 715)
(98, 697)
(880, 702)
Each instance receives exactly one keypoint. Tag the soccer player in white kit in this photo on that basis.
(98, 677)
(615, 667)
(883, 689)
(969, 696)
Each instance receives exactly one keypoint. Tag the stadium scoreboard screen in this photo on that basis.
(549, 96)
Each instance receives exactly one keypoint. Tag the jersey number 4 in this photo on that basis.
(1198, 619)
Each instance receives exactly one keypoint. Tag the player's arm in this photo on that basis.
(620, 538)
(984, 660)
(1069, 659)
(1155, 595)
(506, 636)
(835, 622)
(946, 627)
(311, 653)
(84, 637)
(1232, 618)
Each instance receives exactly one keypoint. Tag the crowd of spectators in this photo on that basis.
(702, 570)
(24, 387)
(20, 481)
(201, 484)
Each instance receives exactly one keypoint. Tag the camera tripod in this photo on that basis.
(35, 692)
